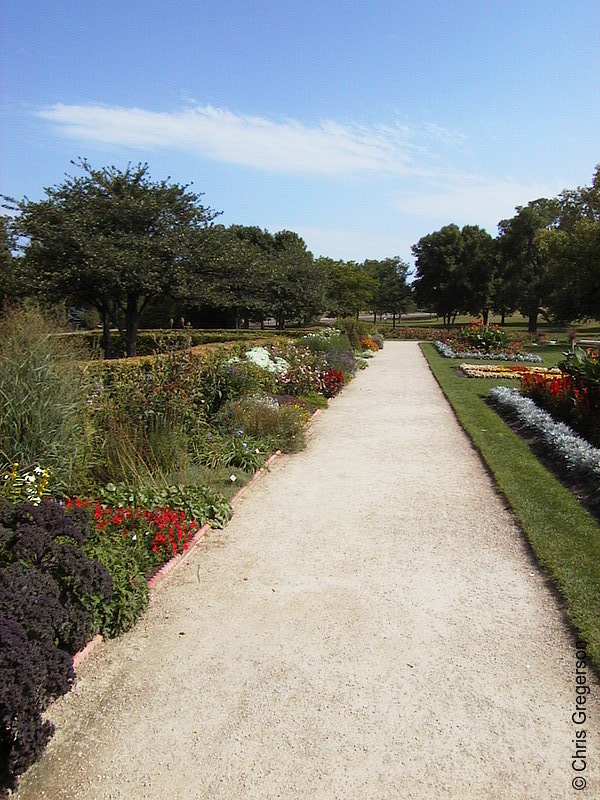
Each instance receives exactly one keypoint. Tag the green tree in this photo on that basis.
(524, 263)
(114, 240)
(233, 266)
(295, 286)
(7, 263)
(392, 294)
(572, 250)
(478, 268)
(350, 287)
(440, 283)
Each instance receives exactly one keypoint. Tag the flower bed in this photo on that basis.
(574, 452)
(411, 333)
(447, 351)
(147, 419)
(573, 396)
(512, 372)
(481, 342)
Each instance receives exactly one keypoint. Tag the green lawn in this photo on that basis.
(563, 535)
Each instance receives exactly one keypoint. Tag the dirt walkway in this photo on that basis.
(370, 625)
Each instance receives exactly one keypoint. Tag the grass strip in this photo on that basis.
(563, 535)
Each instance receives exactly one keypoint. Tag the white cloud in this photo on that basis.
(472, 200)
(327, 148)
(352, 244)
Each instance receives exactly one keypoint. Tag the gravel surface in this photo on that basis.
(369, 625)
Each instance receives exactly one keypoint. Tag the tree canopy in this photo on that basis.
(114, 240)
(524, 265)
(391, 293)
(350, 288)
(572, 251)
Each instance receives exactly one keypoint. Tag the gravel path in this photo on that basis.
(369, 625)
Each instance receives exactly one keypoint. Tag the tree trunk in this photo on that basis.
(485, 315)
(532, 324)
(393, 320)
(374, 318)
(106, 333)
(237, 318)
(503, 318)
(131, 325)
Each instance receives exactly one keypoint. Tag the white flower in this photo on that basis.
(262, 358)
(232, 478)
(134, 538)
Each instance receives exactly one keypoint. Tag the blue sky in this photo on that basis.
(360, 125)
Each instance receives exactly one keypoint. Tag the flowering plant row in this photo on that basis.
(511, 354)
(155, 535)
(570, 398)
(320, 364)
(408, 332)
(577, 454)
(512, 371)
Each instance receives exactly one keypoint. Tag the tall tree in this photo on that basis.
(350, 287)
(114, 240)
(573, 252)
(478, 267)
(233, 267)
(295, 289)
(523, 261)
(393, 293)
(439, 283)
(7, 263)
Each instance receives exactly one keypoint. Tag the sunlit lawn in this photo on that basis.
(563, 535)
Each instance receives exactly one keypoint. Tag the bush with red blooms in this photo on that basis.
(570, 398)
(154, 535)
(332, 382)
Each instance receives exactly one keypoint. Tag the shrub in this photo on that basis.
(49, 591)
(23, 733)
(199, 503)
(273, 424)
(44, 393)
(478, 336)
(128, 572)
(354, 329)
(221, 449)
(333, 350)
(48, 539)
